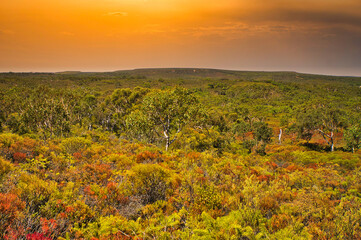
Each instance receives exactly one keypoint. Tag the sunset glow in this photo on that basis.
(88, 35)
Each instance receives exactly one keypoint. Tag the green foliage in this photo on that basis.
(262, 132)
(8, 139)
(139, 127)
(36, 192)
(81, 158)
(108, 227)
(353, 137)
(74, 144)
(206, 198)
(325, 121)
(166, 112)
(5, 167)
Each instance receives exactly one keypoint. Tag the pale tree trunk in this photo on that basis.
(168, 140)
(167, 132)
(280, 136)
(167, 143)
(332, 142)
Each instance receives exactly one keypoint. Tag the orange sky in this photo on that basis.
(320, 36)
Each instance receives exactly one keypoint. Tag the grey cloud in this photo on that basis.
(288, 14)
(312, 16)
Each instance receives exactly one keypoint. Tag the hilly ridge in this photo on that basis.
(161, 77)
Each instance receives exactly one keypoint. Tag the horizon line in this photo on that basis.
(164, 68)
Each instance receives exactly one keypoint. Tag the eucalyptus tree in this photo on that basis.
(118, 106)
(353, 137)
(165, 113)
(325, 121)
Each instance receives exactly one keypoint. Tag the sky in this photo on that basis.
(312, 36)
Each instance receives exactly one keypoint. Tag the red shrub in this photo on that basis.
(272, 165)
(48, 226)
(19, 157)
(264, 178)
(37, 236)
(77, 155)
(27, 146)
(202, 179)
(111, 186)
(13, 233)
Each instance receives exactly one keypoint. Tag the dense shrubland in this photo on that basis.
(202, 160)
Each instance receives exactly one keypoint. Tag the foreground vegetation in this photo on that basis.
(180, 154)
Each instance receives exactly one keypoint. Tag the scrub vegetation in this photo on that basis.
(179, 154)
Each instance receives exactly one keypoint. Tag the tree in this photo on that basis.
(262, 134)
(117, 106)
(139, 127)
(329, 123)
(47, 116)
(325, 121)
(167, 112)
(306, 124)
(353, 137)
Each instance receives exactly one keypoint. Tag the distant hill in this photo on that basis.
(69, 72)
(162, 77)
(183, 72)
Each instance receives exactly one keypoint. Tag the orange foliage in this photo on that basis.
(114, 195)
(293, 168)
(10, 206)
(146, 157)
(78, 155)
(312, 165)
(69, 209)
(248, 134)
(97, 172)
(88, 190)
(48, 226)
(111, 186)
(265, 178)
(279, 221)
(284, 177)
(272, 165)
(26, 145)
